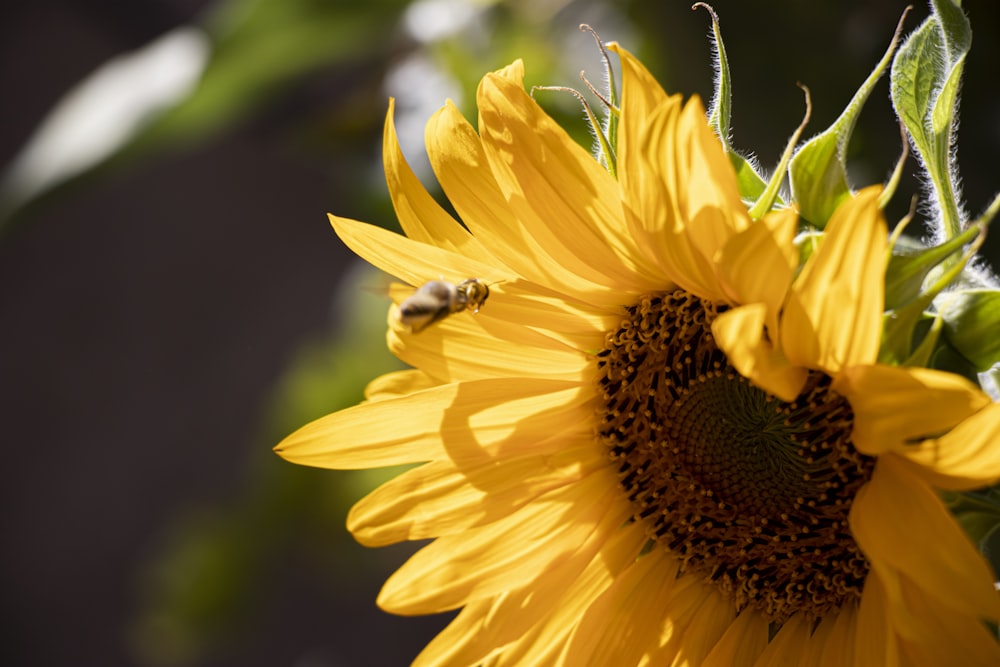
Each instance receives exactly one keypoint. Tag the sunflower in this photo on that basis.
(662, 441)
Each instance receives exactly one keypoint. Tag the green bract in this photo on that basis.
(818, 172)
(751, 184)
(972, 325)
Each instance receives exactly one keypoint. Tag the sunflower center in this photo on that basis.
(748, 491)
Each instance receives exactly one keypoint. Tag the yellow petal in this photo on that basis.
(619, 628)
(567, 201)
(467, 640)
(740, 333)
(641, 95)
(833, 641)
(372, 435)
(894, 406)
(833, 316)
(412, 261)
(520, 549)
(742, 643)
(546, 642)
(398, 383)
(875, 643)
(420, 216)
(790, 646)
(699, 615)
(524, 313)
(460, 348)
(537, 618)
(965, 458)
(658, 221)
(905, 530)
(757, 264)
(460, 163)
(706, 184)
(648, 205)
(681, 194)
(945, 637)
(439, 498)
(562, 320)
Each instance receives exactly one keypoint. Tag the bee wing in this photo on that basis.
(399, 292)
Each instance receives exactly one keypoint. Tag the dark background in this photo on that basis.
(148, 316)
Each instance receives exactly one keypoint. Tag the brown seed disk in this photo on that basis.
(746, 490)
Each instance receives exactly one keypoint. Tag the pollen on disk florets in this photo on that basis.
(746, 490)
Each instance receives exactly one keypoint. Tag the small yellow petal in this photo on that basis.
(756, 265)
(706, 184)
(372, 435)
(833, 316)
(567, 201)
(467, 640)
(740, 333)
(834, 639)
(398, 383)
(618, 628)
(945, 637)
(484, 561)
(790, 646)
(412, 261)
(894, 407)
(641, 95)
(660, 222)
(700, 614)
(462, 348)
(420, 216)
(547, 642)
(647, 202)
(742, 643)
(563, 321)
(875, 643)
(897, 515)
(439, 498)
(460, 163)
(965, 458)
(513, 72)
(368, 436)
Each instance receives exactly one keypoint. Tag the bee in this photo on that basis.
(437, 299)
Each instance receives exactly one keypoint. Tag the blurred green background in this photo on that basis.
(173, 301)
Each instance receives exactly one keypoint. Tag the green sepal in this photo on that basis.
(818, 172)
(972, 325)
(905, 279)
(910, 264)
(751, 183)
(924, 83)
(807, 241)
(944, 357)
(930, 341)
(769, 197)
(978, 512)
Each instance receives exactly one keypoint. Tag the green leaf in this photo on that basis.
(924, 83)
(751, 184)
(818, 172)
(972, 325)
